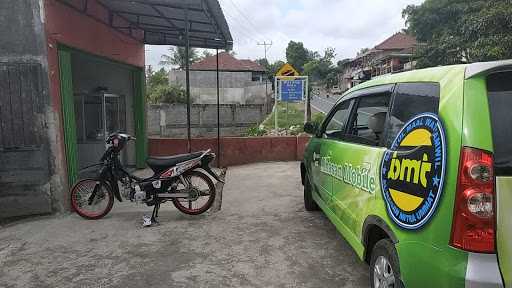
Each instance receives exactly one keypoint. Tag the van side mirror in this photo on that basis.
(311, 128)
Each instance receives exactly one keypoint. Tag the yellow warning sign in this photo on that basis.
(287, 70)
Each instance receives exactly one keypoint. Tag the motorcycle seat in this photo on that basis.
(158, 164)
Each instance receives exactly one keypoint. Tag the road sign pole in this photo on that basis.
(286, 113)
(275, 102)
(308, 102)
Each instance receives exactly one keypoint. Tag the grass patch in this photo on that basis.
(294, 117)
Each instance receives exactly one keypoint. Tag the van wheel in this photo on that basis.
(384, 266)
(309, 203)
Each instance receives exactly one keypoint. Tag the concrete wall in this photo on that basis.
(235, 87)
(234, 119)
(67, 26)
(33, 179)
(236, 150)
(28, 180)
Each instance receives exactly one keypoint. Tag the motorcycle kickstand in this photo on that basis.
(154, 215)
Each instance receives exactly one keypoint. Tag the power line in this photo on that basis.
(242, 29)
(265, 44)
(247, 20)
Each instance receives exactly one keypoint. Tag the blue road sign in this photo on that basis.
(292, 90)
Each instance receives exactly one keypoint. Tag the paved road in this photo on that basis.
(262, 237)
(322, 103)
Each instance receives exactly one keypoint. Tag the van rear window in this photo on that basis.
(499, 91)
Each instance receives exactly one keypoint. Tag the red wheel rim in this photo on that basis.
(80, 196)
(203, 201)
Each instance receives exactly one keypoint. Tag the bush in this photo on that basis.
(256, 131)
(318, 118)
(167, 93)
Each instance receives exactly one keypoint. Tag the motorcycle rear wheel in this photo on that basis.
(204, 190)
(101, 204)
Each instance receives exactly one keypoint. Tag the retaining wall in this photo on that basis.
(236, 150)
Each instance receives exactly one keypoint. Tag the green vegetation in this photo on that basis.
(158, 89)
(460, 31)
(295, 116)
(293, 121)
(256, 131)
(318, 118)
(178, 58)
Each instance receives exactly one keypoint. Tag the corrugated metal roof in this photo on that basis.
(163, 21)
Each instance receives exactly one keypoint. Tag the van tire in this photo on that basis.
(309, 203)
(386, 249)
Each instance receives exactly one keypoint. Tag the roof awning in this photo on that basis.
(163, 22)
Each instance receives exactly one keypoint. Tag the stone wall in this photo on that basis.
(170, 120)
(28, 179)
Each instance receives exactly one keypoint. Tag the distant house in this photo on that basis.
(241, 81)
(392, 55)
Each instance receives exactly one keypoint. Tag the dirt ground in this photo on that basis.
(262, 237)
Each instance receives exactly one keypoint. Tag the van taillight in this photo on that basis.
(473, 227)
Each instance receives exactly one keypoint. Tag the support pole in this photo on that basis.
(218, 112)
(187, 79)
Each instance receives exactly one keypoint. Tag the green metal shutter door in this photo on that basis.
(68, 114)
(139, 110)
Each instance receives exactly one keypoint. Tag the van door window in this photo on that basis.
(368, 121)
(335, 127)
(410, 100)
(499, 86)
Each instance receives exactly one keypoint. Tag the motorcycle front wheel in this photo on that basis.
(92, 199)
(201, 194)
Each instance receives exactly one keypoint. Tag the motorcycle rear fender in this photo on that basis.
(205, 161)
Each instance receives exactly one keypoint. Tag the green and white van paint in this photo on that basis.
(357, 176)
(425, 256)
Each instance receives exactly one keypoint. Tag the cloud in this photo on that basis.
(346, 25)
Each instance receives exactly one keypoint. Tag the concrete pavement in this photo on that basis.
(262, 237)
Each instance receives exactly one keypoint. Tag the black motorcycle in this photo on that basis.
(174, 178)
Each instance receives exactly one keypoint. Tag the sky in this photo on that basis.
(346, 25)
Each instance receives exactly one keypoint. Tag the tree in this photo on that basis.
(322, 69)
(158, 89)
(460, 31)
(297, 55)
(177, 57)
(263, 62)
(206, 54)
(362, 51)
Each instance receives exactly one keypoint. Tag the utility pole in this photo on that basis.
(265, 44)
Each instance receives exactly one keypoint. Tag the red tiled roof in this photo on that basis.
(399, 40)
(227, 63)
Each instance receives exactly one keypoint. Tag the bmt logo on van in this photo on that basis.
(412, 171)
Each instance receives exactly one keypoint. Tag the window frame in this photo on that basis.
(357, 96)
(354, 96)
(385, 133)
(331, 114)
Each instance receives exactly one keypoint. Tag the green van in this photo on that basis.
(415, 171)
